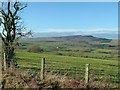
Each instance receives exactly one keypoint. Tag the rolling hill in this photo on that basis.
(76, 38)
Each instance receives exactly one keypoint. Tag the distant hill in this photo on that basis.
(76, 38)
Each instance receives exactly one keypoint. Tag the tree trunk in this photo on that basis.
(9, 52)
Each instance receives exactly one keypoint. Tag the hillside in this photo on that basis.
(76, 38)
(67, 56)
(80, 46)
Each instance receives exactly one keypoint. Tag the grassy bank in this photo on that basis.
(101, 69)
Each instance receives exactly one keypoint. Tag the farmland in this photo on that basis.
(66, 57)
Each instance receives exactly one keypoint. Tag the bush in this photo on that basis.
(35, 49)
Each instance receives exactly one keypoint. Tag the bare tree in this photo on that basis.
(11, 28)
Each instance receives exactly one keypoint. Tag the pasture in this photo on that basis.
(68, 58)
(71, 66)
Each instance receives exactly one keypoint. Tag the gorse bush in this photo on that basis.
(35, 49)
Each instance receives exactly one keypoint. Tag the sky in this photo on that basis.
(51, 19)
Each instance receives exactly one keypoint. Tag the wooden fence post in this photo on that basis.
(87, 74)
(42, 68)
(4, 62)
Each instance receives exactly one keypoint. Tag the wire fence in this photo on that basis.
(96, 76)
(67, 70)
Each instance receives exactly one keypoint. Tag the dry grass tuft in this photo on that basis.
(17, 78)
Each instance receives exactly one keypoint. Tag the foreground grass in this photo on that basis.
(70, 66)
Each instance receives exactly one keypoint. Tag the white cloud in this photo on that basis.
(81, 31)
(111, 33)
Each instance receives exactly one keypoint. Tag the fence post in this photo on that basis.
(42, 68)
(87, 67)
(4, 62)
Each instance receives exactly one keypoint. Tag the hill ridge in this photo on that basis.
(73, 38)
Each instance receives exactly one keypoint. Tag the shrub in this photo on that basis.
(35, 49)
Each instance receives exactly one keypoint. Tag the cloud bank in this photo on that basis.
(102, 33)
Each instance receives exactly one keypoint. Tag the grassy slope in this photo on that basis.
(103, 61)
(70, 65)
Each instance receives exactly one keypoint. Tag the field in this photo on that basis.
(101, 67)
(66, 58)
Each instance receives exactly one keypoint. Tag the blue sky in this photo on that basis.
(78, 18)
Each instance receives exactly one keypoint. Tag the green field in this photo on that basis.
(101, 69)
(68, 58)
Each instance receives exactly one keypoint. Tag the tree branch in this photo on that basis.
(3, 39)
(9, 11)
(4, 33)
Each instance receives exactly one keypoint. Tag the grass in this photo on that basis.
(70, 59)
(71, 66)
(80, 49)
